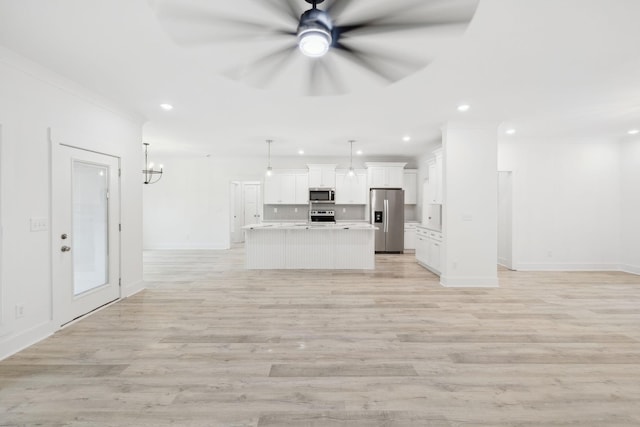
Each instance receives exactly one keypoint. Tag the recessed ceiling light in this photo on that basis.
(634, 131)
(510, 131)
(406, 138)
(464, 107)
(166, 107)
(301, 152)
(359, 152)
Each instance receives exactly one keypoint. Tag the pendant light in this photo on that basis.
(351, 172)
(269, 168)
(148, 170)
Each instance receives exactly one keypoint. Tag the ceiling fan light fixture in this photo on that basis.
(315, 32)
(314, 43)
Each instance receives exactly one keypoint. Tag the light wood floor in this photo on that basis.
(210, 344)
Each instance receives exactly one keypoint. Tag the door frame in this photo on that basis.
(57, 316)
(235, 201)
(510, 261)
(2, 320)
(241, 198)
(259, 201)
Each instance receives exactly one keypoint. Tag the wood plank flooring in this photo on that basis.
(211, 344)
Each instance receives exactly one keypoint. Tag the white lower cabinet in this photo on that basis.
(410, 237)
(429, 249)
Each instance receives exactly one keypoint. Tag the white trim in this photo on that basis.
(185, 246)
(131, 289)
(568, 267)
(16, 343)
(2, 301)
(469, 282)
(631, 269)
(428, 267)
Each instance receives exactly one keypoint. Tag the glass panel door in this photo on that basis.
(85, 231)
(90, 226)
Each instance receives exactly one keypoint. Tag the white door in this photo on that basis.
(252, 211)
(237, 236)
(85, 231)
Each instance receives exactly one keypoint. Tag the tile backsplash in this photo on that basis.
(343, 213)
(301, 213)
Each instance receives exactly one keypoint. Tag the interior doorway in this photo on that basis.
(505, 219)
(85, 225)
(246, 207)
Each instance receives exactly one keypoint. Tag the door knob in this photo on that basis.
(65, 249)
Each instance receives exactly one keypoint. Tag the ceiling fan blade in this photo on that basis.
(287, 8)
(314, 87)
(336, 7)
(189, 25)
(274, 61)
(376, 26)
(386, 66)
(322, 78)
(334, 79)
(279, 61)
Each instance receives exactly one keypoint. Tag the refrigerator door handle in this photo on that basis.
(386, 216)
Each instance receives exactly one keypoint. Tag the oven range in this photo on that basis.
(322, 215)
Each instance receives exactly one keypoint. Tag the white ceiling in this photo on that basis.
(549, 68)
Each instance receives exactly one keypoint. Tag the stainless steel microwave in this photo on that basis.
(322, 195)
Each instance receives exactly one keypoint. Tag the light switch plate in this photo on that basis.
(39, 224)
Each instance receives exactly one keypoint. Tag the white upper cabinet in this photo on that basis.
(286, 188)
(302, 188)
(385, 175)
(322, 176)
(351, 190)
(410, 186)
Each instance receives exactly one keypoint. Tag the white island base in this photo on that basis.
(331, 247)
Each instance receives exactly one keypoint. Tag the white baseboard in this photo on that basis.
(180, 247)
(633, 269)
(132, 289)
(567, 267)
(469, 282)
(12, 344)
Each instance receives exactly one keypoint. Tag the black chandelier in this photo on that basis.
(151, 176)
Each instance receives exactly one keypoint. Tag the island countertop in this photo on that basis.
(312, 226)
(297, 245)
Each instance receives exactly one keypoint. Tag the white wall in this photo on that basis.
(470, 205)
(567, 199)
(189, 207)
(630, 151)
(33, 99)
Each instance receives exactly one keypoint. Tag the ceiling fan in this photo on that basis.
(322, 45)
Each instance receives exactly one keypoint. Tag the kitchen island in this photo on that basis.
(304, 246)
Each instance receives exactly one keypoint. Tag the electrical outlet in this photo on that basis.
(19, 311)
(454, 265)
(275, 210)
(550, 254)
(344, 210)
(295, 210)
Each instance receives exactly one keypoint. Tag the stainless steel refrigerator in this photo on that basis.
(387, 213)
